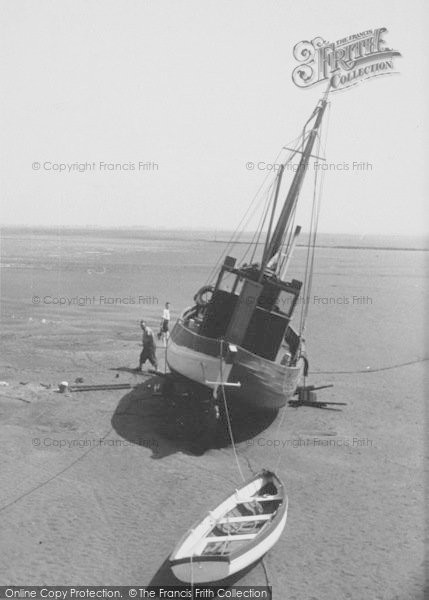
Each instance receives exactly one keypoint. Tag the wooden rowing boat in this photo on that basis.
(234, 535)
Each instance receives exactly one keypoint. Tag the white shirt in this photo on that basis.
(166, 314)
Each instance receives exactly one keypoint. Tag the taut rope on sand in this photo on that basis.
(40, 485)
(373, 370)
(231, 435)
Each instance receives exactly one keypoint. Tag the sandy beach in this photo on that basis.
(96, 488)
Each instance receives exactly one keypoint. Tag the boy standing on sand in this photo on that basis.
(149, 347)
(165, 324)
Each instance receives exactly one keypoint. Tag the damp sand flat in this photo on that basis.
(98, 487)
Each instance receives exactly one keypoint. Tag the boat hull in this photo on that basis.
(263, 384)
(190, 564)
(203, 571)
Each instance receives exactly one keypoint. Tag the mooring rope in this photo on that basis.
(375, 369)
(231, 435)
(57, 474)
(267, 579)
(192, 576)
(280, 455)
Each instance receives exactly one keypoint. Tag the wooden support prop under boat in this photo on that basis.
(100, 387)
(237, 533)
(307, 397)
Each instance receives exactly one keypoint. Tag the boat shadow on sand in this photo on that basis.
(165, 577)
(168, 415)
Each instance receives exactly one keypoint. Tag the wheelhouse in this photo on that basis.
(248, 310)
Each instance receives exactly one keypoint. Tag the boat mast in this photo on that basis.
(275, 243)
(273, 210)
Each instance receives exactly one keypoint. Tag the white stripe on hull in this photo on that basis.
(193, 365)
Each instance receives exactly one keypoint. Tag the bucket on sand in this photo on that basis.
(63, 387)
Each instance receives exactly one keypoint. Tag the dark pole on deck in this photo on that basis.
(276, 195)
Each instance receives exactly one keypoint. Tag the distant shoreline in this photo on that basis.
(338, 241)
(332, 246)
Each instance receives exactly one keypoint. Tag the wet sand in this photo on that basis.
(97, 487)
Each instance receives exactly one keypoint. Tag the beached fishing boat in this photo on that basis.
(235, 534)
(239, 331)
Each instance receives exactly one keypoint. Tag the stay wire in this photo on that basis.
(257, 234)
(308, 276)
(240, 227)
(310, 256)
(319, 198)
(261, 226)
(238, 231)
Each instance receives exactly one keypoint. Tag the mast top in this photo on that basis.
(273, 245)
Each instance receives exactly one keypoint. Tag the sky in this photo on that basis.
(190, 92)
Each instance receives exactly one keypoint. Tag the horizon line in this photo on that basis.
(189, 229)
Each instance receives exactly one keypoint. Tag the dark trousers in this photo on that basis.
(148, 353)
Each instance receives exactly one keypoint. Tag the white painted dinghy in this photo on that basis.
(235, 534)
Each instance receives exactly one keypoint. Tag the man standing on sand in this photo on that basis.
(149, 347)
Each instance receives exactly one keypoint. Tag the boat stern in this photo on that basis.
(199, 570)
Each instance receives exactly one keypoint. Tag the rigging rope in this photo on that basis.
(260, 228)
(314, 221)
(305, 289)
(236, 234)
(319, 197)
(246, 217)
(286, 242)
(269, 200)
